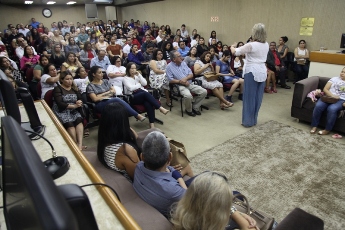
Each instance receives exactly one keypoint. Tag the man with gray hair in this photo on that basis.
(100, 60)
(157, 183)
(179, 73)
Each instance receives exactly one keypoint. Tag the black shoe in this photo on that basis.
(196, 112)
(190, 113)
(286, 87)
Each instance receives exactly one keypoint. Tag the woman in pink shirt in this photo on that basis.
(29, 60)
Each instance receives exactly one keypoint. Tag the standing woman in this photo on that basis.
(67, 100)
(134, 84)
(255, 74)
(301, 56)
(283, 49)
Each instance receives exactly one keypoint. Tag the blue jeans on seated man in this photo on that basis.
(101, 104)
(332, 113)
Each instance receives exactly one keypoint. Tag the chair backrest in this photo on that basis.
(48, 97)
(29, 74)
(39, 89)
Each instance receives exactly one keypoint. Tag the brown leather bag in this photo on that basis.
(263, 220)
(179, 153)
(211, 76)
(328, 99)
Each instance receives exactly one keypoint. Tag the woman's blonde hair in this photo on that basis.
(205, 205)
(259, 33)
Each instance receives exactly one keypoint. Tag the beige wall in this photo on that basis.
(237, 17)
(22, 14)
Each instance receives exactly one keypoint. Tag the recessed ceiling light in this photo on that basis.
(51, 3)
(29, 2)
(71, 3)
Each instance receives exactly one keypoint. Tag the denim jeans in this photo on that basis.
(332, 113)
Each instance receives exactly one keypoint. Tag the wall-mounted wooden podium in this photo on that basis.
(328, 63)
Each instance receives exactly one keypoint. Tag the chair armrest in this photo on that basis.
(302, 88)
(174, 89)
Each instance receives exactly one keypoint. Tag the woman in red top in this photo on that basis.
(87, 54)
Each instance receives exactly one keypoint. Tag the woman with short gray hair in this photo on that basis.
(255, 73)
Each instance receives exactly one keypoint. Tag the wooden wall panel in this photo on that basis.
(237, 17)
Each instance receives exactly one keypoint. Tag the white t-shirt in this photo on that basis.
(116, 81)
(193, 43)
(158, 39)
(337, 87)
(46, 86)
(126, 49)
(82, 84)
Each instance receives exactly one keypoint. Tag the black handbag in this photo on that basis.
(263, 220)
(82, 111)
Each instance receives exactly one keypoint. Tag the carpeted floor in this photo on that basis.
(279, 167)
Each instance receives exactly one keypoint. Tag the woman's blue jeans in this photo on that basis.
(332, 113)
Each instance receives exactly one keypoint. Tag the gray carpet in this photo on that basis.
(280, 167)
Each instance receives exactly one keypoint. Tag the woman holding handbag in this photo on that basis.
(207, 204)
(134, 84)
(158, 78)
(203, 66)
(334, 89)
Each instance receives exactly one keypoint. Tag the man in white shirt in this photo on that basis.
(20, 49)
(127, 48)
(23, 30)
(184, 33)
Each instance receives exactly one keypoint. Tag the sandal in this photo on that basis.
(164, 111)
(84, 147)
(337, 136)
(169, 104)
(274, 90)
(86, 133)
(313, 130)
(323, 132)
(267, 90)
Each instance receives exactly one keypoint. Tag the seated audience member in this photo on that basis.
(23, 30)
(20, 49)
(184, 33)
(201, 47)
(157, 183)
(158, 78)
(57, 38)
(114, 49)
(147, 42)
(118, 41)
(100, 60)
(134, 84)
(276, 64)
(81, 80)
(117, 148)
(220, 48)
(207, 204)
(203, 66)
(29, 59)
(116, 73)
(72, 47)
(175, 44)
(213, 42)
(334, 88)
(183, 49)
(45, 46)
(194, 32)
(87, 54)
(212, 36)
(82, 36)
(38, 72)
(65, 42)
(168, 31)
(239, 62)
(191, 57)
(34, 23)
(127, 47)
(49, 78)
(93, 39)
(146, 26)
(148, 53)
(67, 101)
(101, 93)
(35, 37)
(160, 37)
(71, 64)
(137, 57)
(101, 44)
(301, 57)
(214, 55)
(166, 49)
(223, 69)
(179, 73)
(6, 63)
(195, 40)
(57, 57)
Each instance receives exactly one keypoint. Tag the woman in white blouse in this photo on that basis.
(255, 74)
(134, 84)
(301, 56)
(116, 72)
